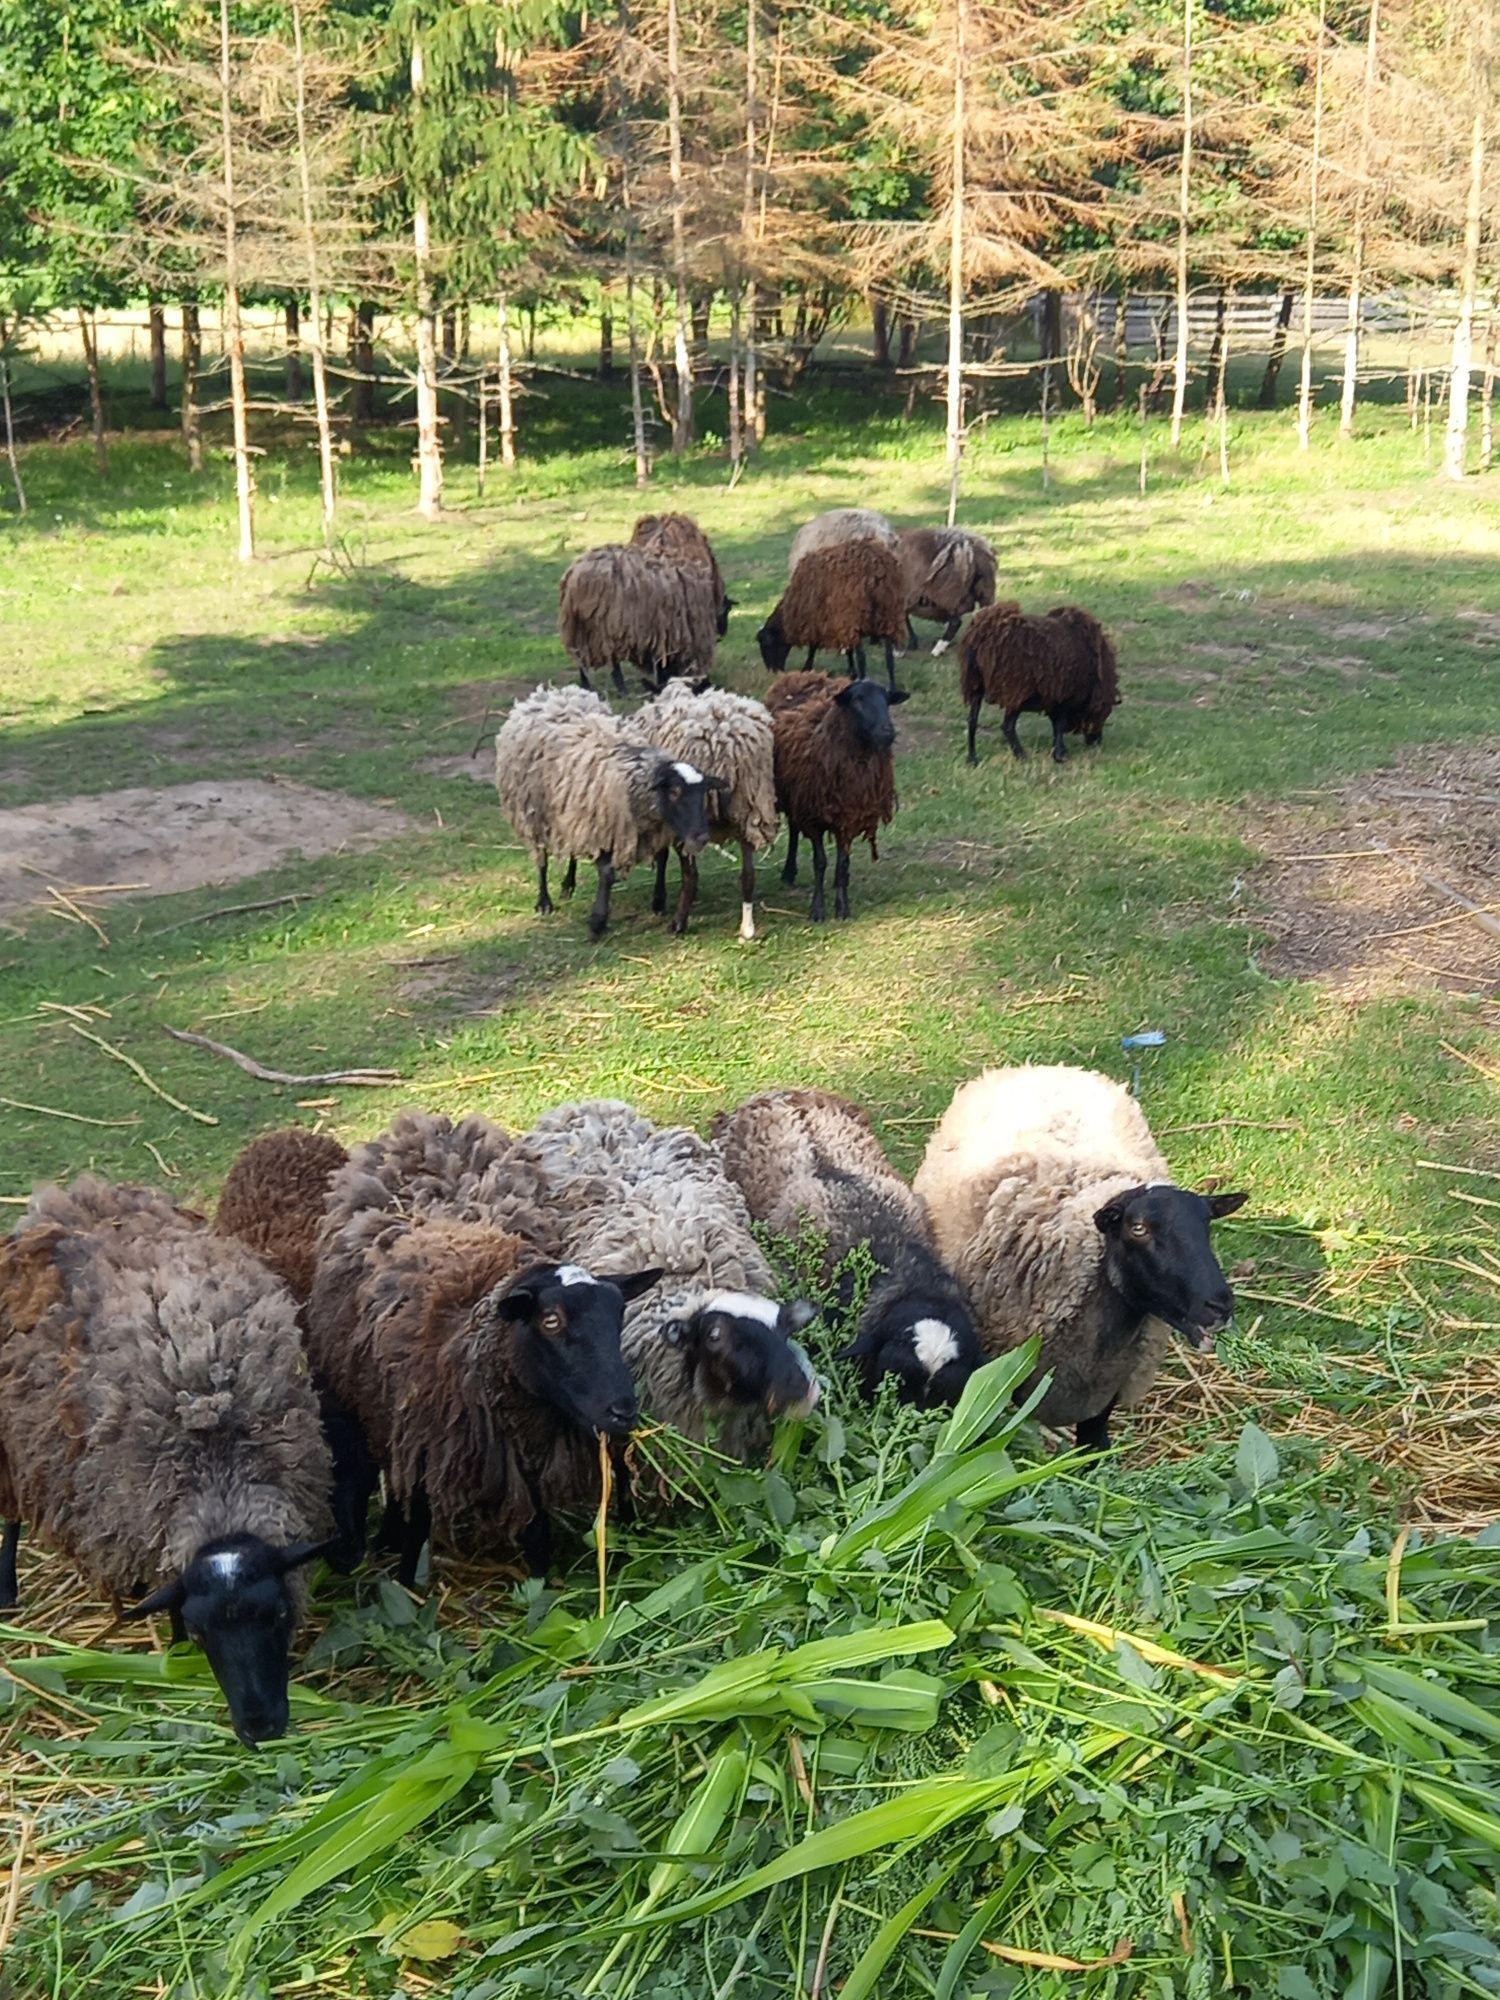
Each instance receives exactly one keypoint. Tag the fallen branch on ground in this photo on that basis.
(150, 1082)
(374, 1078)
(237, 909)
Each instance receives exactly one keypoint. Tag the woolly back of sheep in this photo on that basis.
(681, 540)
(839, 524)
(839, 596)
(621, 603)
(571, 777)
(728, 735)
(826, 780)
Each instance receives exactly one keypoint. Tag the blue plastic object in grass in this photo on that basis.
(1148, 1038)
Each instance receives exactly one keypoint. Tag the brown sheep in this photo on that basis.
(274, 1197)
(681, 540)
(836, 599)
(616, 604)
(1061, 664)
(949, 572)
(835, 770)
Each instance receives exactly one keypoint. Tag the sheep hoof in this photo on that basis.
(596, 931)
(545, 906)
(971, 760)
(817, 914)
(789, 877)
(939, 649)
(678, 929)
(1059, 756)
(747, 922)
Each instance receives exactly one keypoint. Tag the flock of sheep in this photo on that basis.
(476, 1320)
(697, 765)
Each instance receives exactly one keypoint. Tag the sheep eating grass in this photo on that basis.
(1061, 664)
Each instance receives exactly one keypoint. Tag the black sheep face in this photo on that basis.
(1158, 1257)
(743, 1352)
(567, 1343)
(233, 1601)
(931, 1352)
(868, 708)
(682, 800)
(775, 650)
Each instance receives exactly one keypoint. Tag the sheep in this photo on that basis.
(574, 778)
(481, 1367)
(837, 598)
(728, 733)
(835, 771)
(158, 1428)
(948, 572)
(618, 603)
(1061, 664)
(807, 1157)
(840, 524)
(707, 1346)
(681, 540)
(1052, 1204)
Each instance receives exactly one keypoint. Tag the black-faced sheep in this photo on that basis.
(1061, 664)
(835, 771)
(836, 598)
(807, 1157)
(948, 572)
(1050, 1201)
(576, 779)
(681, 540)
(839, 525)
(618, 603)
(712, 730)
(707, 1346)
(158, 1428)
(481, 1367)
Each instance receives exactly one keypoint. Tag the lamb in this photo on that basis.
(714, 730)
(835, 771)
(481, 1368)
(157, 1427)
(707, 1347)
(1061, 664)
(840, 524)
(837, 598)
(948, 573)
(681, 540)
(575, 779)
(1052, 1204)
(618, 603)
(807, 1157)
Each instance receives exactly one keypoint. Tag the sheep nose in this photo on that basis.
(1220, 1307)
(621, 1415)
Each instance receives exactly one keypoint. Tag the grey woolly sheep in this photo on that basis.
(707, 1345)
(839, 524)
(574, 778)
(681, 540)
(1062, 664)
(158, 1428)
(618, 603)
(1050, 1201)
(807, 1157)
(731, 735)
(948, 573)
(481, 1369)
(836, 598)
(835, 771)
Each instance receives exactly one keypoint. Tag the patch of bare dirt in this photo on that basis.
(1354, 894)
(182, 837)
(458, 987)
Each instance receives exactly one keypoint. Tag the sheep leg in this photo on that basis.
(912, 641)
(747, 891)
(355, 1477)
(659, 893)
(1093, 1433)
(789, 872)
(544, 903)
(812, 654)
(570, 876)
(1059, 747)
(10, 1589)
(599, 914)
(890, 665)
(418, 1533)
(536, 1544)
(687, 892)
(820, 865)
(841, 882)
(975, 704)
(617, 675)
(584, 681)
(950, 633)
(1008, 731)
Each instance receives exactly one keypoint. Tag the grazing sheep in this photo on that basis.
(706, 1345)
(806, 1157)
(716, 731)
(480, 1368)
(158, 1428)
(1061, 664)
(574, 778)
(1049, 1199)
(618, 603)
(835, 771)
(678, 537)
(836, 599)
(948, 573)
(840, 524)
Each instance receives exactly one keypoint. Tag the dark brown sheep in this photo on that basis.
(834, 745)
(837, 598)
(1061, 664)
(274, 1197)
(681, 540)
(949, 572)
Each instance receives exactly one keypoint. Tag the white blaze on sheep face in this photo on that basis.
(746, 1305)
(225, 1564)
(573, 1274)
(934, 1343)
(689, 773)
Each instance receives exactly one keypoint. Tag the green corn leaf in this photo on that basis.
(988, 1395)
(864, 1649)
(873, 1960)
(1473, 1820)
(961, 1950)
(1431, 1697)
(904, 1700)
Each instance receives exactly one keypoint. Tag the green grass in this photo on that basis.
(1018, 912)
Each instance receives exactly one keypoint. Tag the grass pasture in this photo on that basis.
(1282, 1784)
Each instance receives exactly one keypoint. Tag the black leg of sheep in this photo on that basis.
(1093, 1433)
(975, 704)
(544, 903)
(599, 914)
(659, 893)
(890, 666)
(10, 1589)
(418, 1532)
(820, 868)
(789, 871)
(1059, 726)
(747, 890)
(1008, 731)
(687, 892)
(570, 876)
(841, 883)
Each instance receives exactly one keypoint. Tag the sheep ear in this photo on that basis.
(675, 1333)
(1224, 1204)
(633, 1283)
(1108, 1219)
(518, 1303)
(896, 698)
(720, 785)
(800, 1313)
(297, 1553)
(169, 1598)
(842, 698)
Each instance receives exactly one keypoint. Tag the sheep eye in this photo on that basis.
(1139, 1232)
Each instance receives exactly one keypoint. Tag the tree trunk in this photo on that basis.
(463, 334)
(234, 333)
(1122, 346)
(702, 317)
(750, 436)
(362, 396)
(632, 335)
(880, 332)
(1357, 253)
(293, 316)
(736, 432)
(192, 356)
(1456, 437)
(956, 261)
(1266, 400)
(315, 319)
(506, 389)
(1052, 325)
(906, 346)
(88, 328)
(1309, 282)
(1184, 193)
(606, 344)
(682, 417)
(429, 436)
(10, 434)
(484, 434)
(1487, 400)
(157, 321)
(450, 334)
